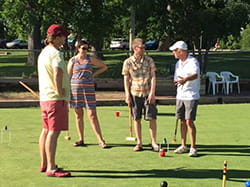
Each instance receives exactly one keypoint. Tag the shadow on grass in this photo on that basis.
(168, 173)
(224, 149)
(146, 147)
(165, 114)
(221, 150)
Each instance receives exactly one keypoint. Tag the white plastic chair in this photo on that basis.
(230, 79)
(215, 80)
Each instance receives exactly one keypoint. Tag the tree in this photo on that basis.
(28, 19)
(210, 19)
(94, 20)
(245, 38)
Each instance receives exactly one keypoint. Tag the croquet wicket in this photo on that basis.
(166, 144)
(3, 131)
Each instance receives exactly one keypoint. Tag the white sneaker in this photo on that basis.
(181, 149)
(192, 152)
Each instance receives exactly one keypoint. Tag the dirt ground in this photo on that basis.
(100, 95)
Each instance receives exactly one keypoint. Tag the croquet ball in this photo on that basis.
(6, 128)
(247, 184)
(162, 153)
(117, 114)
(164, 184)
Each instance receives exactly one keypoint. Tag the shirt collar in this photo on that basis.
(134, 59)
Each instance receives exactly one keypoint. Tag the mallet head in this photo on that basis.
(131, 139)
(67, 138)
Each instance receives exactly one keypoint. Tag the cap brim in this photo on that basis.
(172, 48)
(66, 33)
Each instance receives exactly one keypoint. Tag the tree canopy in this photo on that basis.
(195, 21)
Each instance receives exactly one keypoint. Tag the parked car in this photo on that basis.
(2, 43)
(17, 44)
(151, 45)
(119, 43)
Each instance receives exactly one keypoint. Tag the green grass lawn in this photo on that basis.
(13, 65)
(221, 135)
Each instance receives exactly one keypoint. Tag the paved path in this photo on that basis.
(116, 98)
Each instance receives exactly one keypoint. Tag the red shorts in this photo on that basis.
(54, 115)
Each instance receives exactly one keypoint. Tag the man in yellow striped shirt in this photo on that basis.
(139, 84)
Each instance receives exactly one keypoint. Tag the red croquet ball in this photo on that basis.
(162, 153)
(117, 114)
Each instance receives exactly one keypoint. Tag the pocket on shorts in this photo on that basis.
(150, 112)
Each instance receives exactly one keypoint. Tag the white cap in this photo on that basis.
(179, 45)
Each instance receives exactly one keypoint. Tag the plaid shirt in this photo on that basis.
(139, 74)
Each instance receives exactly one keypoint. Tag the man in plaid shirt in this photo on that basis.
(139, 84)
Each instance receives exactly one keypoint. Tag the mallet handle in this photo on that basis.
(175, 130)
(35, 94)
(130, 122)
(67, 133)
(28, 88)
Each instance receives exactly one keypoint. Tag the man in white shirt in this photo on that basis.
(187, 80)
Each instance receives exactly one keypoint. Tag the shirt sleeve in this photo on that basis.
(152, 65)
(57, 61)
(195, 67)
(125, 68)
(175, 72)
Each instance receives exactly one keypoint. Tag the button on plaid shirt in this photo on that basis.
(139, 74)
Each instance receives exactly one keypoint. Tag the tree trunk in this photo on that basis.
(34, 45)
(97, 50)
(164, 44)
(132, 29)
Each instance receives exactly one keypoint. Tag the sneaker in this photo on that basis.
(192, 152)
(181, 149)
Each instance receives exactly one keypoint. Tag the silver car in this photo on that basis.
(119, 43)
(17, 44)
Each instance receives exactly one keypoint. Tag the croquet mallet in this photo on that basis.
(28, 88)
(175, 131)
(130, 138)
(66, 137)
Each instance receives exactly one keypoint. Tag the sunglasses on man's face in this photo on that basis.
(83, 48)
(141, 47)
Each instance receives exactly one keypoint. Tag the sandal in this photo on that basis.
(79, 144)
(155, 148)
(42, 169)
(58, 173)
(103, 145)
(137, 148)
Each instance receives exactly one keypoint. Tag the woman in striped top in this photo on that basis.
(80, 70)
